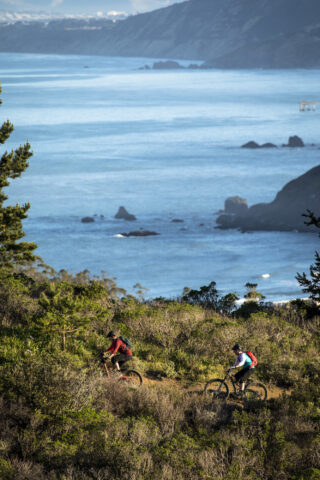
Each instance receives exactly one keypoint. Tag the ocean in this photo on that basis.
(166, 145)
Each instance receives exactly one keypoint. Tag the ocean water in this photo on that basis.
(165, 144)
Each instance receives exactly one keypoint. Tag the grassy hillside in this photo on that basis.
(61, 419)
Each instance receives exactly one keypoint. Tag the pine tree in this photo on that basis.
(312, 285)
(64, 312)
(12, 165)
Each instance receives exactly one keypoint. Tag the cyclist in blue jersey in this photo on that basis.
(242, 360)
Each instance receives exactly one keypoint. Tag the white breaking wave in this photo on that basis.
(265, 275)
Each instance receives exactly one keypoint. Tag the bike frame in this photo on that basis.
(110, 375)
(228, 375)
(106, 369)
(128, 375)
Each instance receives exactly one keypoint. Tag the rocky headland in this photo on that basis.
(284, 213)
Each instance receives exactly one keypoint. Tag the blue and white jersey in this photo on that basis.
(243, 360)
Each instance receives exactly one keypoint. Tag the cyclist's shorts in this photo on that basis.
(244, 374)
(121, 359)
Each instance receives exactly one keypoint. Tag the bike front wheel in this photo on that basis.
(131, 378)
(217, 388)
(255, 391)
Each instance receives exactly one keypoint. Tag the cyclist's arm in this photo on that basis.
(108, 354)
(114, 348)
(110, 350)
(240, 361)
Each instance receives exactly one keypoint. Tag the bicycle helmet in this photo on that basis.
(111, 334)
(236, 347)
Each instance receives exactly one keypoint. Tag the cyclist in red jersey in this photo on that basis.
(118, 350)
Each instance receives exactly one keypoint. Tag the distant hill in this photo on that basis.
(61, 36)
(223, 33)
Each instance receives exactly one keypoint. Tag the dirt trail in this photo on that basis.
(276, 392)
(187, 387)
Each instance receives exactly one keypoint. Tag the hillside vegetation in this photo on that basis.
(61, 418)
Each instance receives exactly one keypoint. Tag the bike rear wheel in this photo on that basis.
(132, 378)
(255, 391)
(217, 388)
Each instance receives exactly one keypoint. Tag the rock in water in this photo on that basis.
(122, 214)
(268, 145)
(139, 233)
(295, 142)
(251, 145)
(87, 220)
(254, 145)
(285, 212)
(167, 65)
(236, 205)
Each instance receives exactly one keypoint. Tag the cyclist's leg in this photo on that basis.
(243, 376)
(238, 377)
(115, 361)
(120, 360)
(124, 359)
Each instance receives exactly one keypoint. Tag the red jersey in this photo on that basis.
(119, 345)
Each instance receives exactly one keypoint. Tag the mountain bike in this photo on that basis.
(218, 388)
(127, 376)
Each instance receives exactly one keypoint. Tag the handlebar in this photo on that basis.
(228, 373)
(104, 358)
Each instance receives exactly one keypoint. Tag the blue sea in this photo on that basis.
(166, 145)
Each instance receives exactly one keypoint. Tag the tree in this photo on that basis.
(141, 291)
(227, 303)
(252, 294)
(208, 297)
(311, 285)
(253, 301)
(313, 220)
(12, 165)
(64, 312)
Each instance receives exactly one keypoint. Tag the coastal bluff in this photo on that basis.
(285, 212)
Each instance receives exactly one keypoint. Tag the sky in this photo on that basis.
(83, 6)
